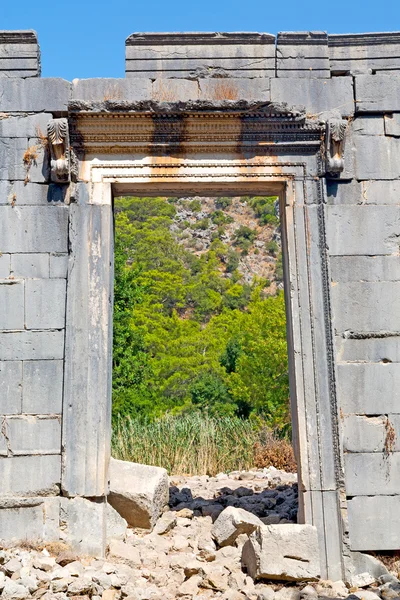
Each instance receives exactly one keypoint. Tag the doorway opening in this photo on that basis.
(200, 367)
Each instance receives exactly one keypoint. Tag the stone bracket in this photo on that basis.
(335, 133)
(63, 162)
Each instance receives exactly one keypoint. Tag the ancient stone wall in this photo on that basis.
(55, 400)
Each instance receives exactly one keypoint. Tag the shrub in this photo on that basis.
(223, 202)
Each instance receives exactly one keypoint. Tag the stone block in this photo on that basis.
(317, 95)
(366, 306)
(364, 192)
(231, 523)
(24, 126)
(365, 268)
(374, 522)
(12, 151)
(34, 95)
(371, 349)
(116, 525)
(58, 265)
(359, 385)
(34, 229)
(83, 524)
(302, 54)
(369, 125)
(12, 303)
(283, 553)
(5, 265)
(376, 157)
(30, 265)
(32, 435)
(21, 194)
(370, 474)
(33, 519)
(174, 90)
(138, 492)
(46, 306)
(30, 475)
(43, 386)
(362, 230)
(10, 387)
(392, 124)
(364, 434)
(235, 89)
(39, 170)
(377, 93)
(3, 444)
(31, 345)
(364, 52)
(103, 89)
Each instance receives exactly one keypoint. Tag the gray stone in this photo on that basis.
(368, 474)
(235, 89)
(116, 525)
(374, 522)
(39, 170)
(360, 384)
(138, 492)
(14, 591)
(379, 93)
(30, 475)
(364, 434)
(165, 523)
(384, 348)
(364, 192)
(10, 387)
(34, 95)
(231, 523)
(30, 265)
(12, 152)
(126, 552)
(392, 124)
(43, 381)
(5, 265)
(12, 303)
(34, 229)
(369, 125)
(46, 306)
(32, 435)
(365, 230)
(58, 265)
(29, 126)
(174, 90)
(28, 345)
(283, 553)
(363, 52)
(364, 268)
(302, 54)
(102, 90)
(317, 95)
(376, 157)
(21, 194)
(83, 523)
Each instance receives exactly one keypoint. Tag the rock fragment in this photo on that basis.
(231, 523)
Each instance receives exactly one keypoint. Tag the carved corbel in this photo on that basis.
(334, 145)
(63, 164)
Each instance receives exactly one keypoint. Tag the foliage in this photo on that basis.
(264, 207)
(189, 333)
(199, 444)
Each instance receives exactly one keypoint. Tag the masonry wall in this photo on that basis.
(356, 77)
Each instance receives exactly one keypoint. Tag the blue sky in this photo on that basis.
(83, 38)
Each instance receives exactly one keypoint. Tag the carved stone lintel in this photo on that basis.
(63, 162)
(334, 145)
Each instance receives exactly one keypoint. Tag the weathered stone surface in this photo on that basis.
(364, 192)
(12, 302)
(392, 124)
(34, 95)
(126, 552)
(302, 54)
(364, 52)
(34, 229)
(5, 265)
(282, 552)
(138, 492)
(101, 90)
(43, 381)
(10, 387)
(30, 265)
(364, 230)
(58, 265)
(21, 194)
(174, 90)
(116, 525)
(369, 474)
(317, 95)
(364, 434)
(379, 93)
(359, 385)
(231, 523)
(364, 268)
(84, 525)
(28, 345)
(385, 348)
(23, 126)
(30, 475)
(30, 435)
(46, 306)
(235, 89)
(376, 157)
(12, 151)
(374, 521)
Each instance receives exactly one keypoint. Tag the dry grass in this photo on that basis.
(197, 444)
(30, 158)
